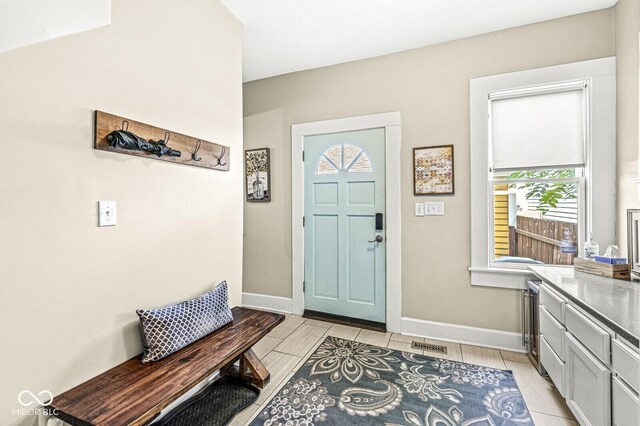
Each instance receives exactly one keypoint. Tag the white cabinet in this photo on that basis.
(626, 363)
(587, 384)
(553, 302)
(553, 364)
(552, 331)
(626, 408)
(589, 333)
(596, 371)
(625, 360)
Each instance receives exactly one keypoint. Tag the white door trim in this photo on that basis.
(391, 122)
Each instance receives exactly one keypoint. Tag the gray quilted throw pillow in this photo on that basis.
(168, 329)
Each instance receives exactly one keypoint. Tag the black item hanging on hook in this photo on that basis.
(127, 140)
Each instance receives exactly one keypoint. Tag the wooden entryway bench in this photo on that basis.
(134, 393)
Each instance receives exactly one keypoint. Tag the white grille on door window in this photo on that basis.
(343, 157)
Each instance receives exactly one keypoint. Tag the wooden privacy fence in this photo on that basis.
(540, 239)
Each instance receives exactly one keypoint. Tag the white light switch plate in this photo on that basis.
(419, 209)
(107, 213)
(434, 209)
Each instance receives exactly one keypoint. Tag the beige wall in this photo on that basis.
(69, 289)
(430, 87)
(627, 26)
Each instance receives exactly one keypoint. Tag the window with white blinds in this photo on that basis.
(542, 127)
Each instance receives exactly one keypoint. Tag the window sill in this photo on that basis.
(515, 279)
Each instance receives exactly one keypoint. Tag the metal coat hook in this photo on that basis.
(221, 157)
(194, 154)
(125, 125)
(165, 141)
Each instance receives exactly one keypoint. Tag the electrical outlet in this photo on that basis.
(434, 209)
(419, 209)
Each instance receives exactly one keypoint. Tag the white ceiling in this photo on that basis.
(24, 22)
(282, 36)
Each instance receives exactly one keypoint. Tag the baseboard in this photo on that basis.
(489, 338)
(268, 303)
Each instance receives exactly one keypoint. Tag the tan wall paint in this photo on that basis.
(267, 226)
(69, 289)
(430, 87)
(627, 26)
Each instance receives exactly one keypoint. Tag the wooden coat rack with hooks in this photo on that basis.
(118, 134)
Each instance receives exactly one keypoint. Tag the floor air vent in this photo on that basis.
(429, 347)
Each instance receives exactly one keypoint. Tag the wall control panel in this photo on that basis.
(434, 209)
(430, 209)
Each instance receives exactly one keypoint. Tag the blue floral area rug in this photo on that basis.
(351, 383)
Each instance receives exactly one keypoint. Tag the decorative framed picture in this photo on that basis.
(258, 175)
(433, 170)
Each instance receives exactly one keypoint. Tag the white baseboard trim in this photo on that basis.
(266, 302)
(489, 338)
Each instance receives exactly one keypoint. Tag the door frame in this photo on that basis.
(391, 123)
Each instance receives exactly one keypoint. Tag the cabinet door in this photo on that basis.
(590, 333)
(553, 365)
(587, 385)
(625, 405)
(552, 331)
(626, 363)
(553, 302)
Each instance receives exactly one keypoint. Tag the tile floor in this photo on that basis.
(285, 349)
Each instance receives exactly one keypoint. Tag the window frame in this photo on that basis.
(599, 172)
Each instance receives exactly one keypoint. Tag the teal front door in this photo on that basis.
(344, 250)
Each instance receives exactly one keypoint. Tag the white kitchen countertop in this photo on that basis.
(616, 303)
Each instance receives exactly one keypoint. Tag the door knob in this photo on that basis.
(378, 239)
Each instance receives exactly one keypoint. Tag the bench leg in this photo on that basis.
(251, 370)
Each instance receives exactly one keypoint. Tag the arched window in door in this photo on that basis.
(343, 157)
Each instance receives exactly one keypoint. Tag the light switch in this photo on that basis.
(434, 209)
(107, 213)
(419, 209)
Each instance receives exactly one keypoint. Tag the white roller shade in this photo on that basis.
(539, 128)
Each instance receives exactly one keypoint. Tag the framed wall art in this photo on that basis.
(258, 175)
(433, 170)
